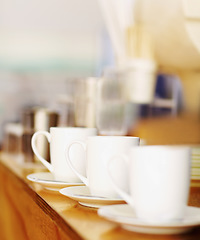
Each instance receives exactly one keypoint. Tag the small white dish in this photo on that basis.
(195, 163)
(83, 196)
(46, 179)
(195, 166)
(195, 177)
(195, 158)
(125, 216)
(195, 152)
(195, 171)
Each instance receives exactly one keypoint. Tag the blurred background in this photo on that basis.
(43, 47)
(55, 57)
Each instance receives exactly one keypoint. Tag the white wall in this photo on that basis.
(51, 34)
(42, 45)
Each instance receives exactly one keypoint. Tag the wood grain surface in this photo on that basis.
(30, 212)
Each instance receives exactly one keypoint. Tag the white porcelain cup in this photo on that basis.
(98, 151)
(59, 138)
(159, 180)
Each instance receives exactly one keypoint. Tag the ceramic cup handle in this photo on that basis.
(34, 147)
(121, 192)
(67, 153)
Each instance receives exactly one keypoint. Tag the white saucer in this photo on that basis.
(125, 215)
(46, 179)
(83, 196)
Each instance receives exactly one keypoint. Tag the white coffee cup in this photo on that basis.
(59, 138)
(159, 180)
(98, 151)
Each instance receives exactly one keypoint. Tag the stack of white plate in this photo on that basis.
(195, 166)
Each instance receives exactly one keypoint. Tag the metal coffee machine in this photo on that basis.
(35, 119)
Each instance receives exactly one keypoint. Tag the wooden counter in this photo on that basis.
(164, 130)
(29, 212)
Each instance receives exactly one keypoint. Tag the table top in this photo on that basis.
(79, 221)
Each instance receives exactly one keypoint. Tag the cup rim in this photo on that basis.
(165, 147)
(114, 136)
(72, 128)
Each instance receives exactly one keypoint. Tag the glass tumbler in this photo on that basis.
(111, 104)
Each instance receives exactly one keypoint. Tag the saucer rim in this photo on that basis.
(55, 183)
(125, 220)
(95, 200)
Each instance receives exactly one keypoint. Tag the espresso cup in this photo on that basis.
(159, 180)
(98, 151)
(59, 138)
